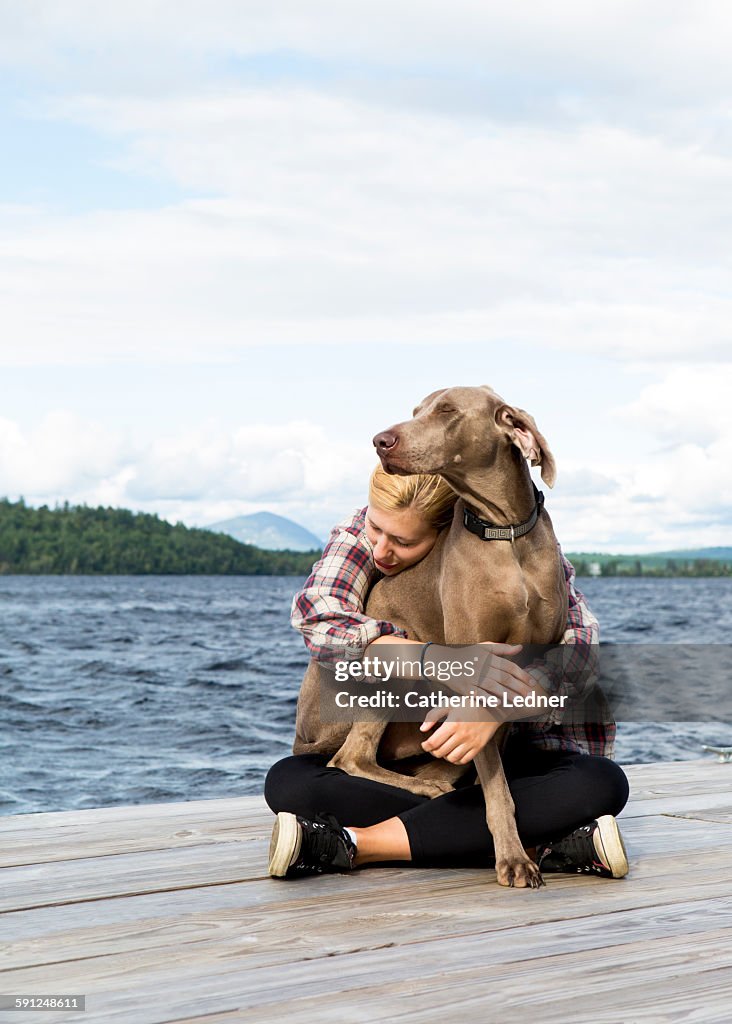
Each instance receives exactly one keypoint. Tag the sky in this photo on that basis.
(239, 239)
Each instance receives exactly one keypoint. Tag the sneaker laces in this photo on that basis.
(574, 847)
(323, 842)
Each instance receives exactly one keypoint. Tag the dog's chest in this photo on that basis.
(493, 607)
(495, 597)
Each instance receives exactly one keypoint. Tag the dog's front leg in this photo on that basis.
(513, 864)
(357, 756)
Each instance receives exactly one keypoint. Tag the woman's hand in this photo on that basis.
(485, 669)
(480, 668)
(456, 742)
(497, 675)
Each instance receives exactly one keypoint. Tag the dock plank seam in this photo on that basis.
(132, 895)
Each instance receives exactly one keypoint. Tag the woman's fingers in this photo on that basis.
(446, 747)
(468, 756)
(499, 683)
(509, 669)
(516, 683)
(459, 754)
(433, 742)
(444, 738)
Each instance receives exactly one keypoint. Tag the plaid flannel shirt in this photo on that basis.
(329, 612)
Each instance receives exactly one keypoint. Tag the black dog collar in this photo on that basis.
(489, 531)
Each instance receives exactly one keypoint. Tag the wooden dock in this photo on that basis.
(164, 913)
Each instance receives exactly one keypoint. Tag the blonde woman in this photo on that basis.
(565, 787)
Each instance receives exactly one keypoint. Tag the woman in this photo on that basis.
(565, 788)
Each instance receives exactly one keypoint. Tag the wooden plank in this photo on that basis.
(167, 870)
(178, 926)
(721, 815)
(271, 939)
(228, 807)
(42, 838)
(454, 901)
(522, 942)
(39, 843)
(703, 999)
(702, 769)
(208, 934)
(127, 874)
(47, 844)
(656, 847)
(459, 974)
(681, 803)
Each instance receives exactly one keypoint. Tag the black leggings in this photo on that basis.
(554, 793)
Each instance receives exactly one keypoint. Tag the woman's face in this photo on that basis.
(399, 539)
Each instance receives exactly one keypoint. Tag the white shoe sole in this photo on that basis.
(285, 844)
(610, 847)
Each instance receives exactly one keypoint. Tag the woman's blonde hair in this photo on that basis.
(430, 496)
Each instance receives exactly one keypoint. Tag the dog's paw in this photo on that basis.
(522, 873)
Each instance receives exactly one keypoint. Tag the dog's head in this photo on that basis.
(455, 429)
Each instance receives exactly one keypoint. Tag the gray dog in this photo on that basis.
(495, 574)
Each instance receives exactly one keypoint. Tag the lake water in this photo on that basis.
(140, 689)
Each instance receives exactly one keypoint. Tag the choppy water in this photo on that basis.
(139, 689)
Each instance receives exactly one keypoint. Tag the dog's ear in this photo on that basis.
(426, 401)
(524, 433)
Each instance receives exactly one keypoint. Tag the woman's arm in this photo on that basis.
(329, 610)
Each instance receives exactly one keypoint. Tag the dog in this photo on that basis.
(481, 446)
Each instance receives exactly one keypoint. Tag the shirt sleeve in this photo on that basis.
(571, 673)
(329, 610)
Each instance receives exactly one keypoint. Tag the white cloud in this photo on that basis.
(689, 404)
(484, 173)
(341, 222)
(678, 490)
(583, 483)
(199, 476)
(62, 455)
(628, 47)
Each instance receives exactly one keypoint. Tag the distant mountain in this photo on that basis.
(268, 531)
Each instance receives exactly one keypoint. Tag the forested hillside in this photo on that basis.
(76, 539)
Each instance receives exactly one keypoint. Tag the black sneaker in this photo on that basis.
(303, 847)
(594, 849)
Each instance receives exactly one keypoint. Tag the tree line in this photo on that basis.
(628, 565)
(80, 540)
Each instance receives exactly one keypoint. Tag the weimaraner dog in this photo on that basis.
(468, 589)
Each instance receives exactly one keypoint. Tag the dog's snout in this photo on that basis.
(385, 441)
